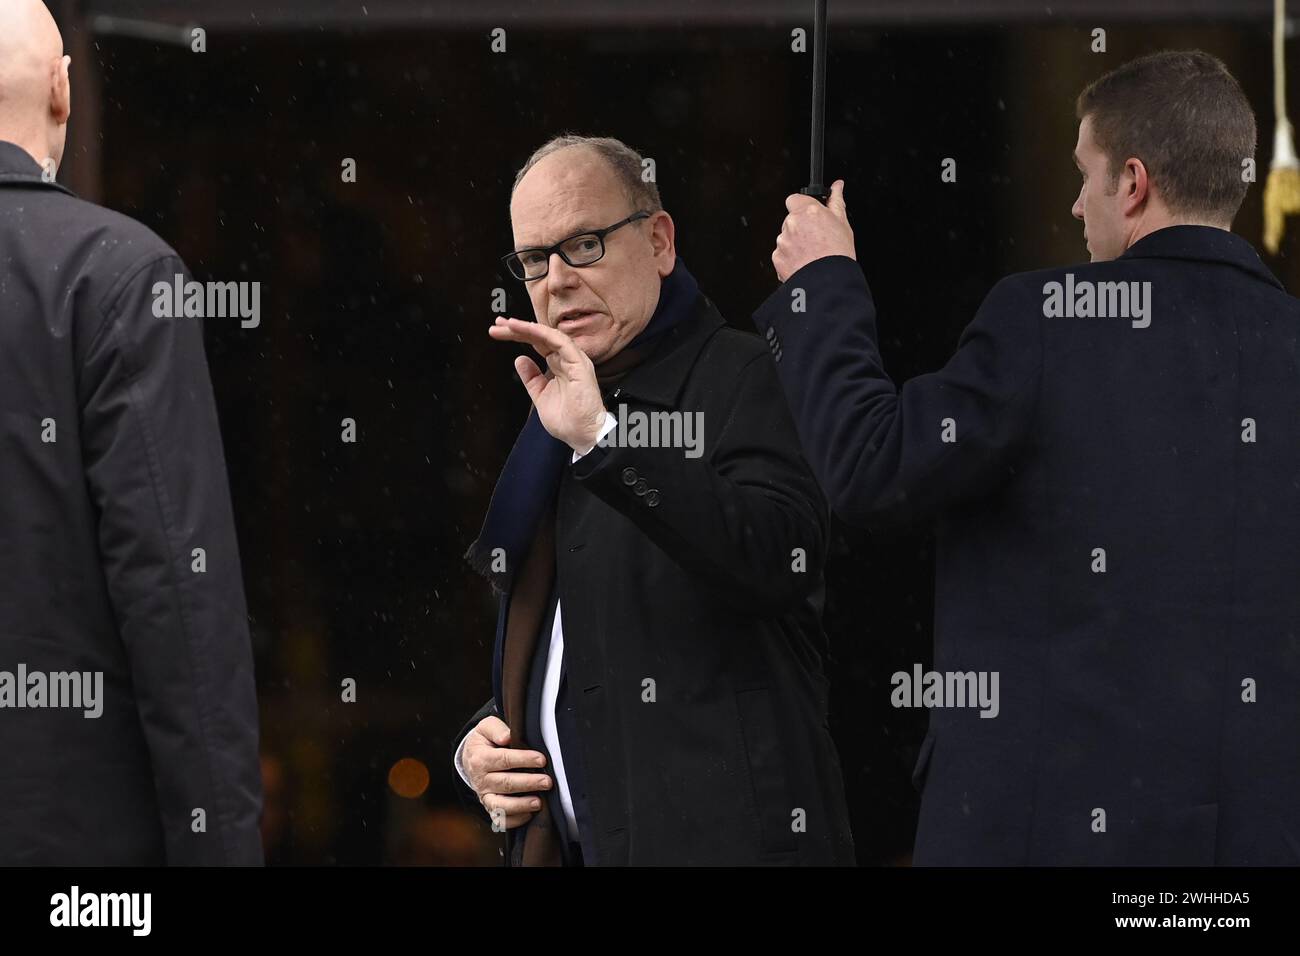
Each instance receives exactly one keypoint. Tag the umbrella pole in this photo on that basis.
(815, 185)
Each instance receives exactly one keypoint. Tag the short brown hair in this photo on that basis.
(1185, 116)
(625, 161)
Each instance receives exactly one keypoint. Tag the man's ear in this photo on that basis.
(61, 91)
(663, 240)
(1136, 185)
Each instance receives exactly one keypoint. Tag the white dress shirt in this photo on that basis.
(550, 691)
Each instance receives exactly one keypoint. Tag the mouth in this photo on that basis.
(574, 317)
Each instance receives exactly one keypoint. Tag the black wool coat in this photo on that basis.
(704, 576)
(1118, 515)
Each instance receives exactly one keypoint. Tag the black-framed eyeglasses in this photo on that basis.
(580, 250)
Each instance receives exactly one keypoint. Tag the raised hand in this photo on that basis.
(812, 231)
(567, 396)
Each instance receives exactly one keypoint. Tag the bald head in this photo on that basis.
(34, 91)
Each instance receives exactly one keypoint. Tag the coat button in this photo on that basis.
(629, 476)
(652, 497)
(641, 487)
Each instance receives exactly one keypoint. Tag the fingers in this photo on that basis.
(491, 766)
(541, 337)
(514, 782)
(807, 234)
(532, 377)
(778, 259)
(510, 806)
(487, 749)
(489, 759)
(797, 201)
(495, 730)
(563, 357)
(836, 201)
(516, 330)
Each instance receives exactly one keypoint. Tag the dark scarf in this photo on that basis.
(521, 522)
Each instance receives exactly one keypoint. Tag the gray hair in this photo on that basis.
(625, 161)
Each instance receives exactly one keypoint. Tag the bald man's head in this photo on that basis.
(34, 92)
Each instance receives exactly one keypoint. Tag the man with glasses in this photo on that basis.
(659, 672)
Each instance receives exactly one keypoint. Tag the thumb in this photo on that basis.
(835, 203)
(495, 730)
(531, 376)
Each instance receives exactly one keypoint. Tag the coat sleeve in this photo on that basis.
(156, 474)
(888, 455)
(746, 515)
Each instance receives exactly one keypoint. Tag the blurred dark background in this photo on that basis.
(376, 297)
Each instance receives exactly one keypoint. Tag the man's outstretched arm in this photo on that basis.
(885, 454)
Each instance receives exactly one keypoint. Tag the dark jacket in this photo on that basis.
(686, 572)
(112, 475)
(1150, 706)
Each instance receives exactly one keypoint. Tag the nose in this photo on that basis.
(1077, 209)
(559, 274)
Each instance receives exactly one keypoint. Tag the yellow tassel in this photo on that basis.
(1282, 190)
(1281, 199)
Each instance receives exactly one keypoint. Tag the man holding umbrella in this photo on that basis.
(1117, 493)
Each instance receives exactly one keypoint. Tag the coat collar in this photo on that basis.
(17, 168)
(660, 378)
(1202, 244)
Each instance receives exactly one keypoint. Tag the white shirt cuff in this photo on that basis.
(460, 767)
(610, 424)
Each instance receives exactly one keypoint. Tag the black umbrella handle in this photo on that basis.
(815, 186)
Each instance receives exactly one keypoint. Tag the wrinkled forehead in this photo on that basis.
(568, 192)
